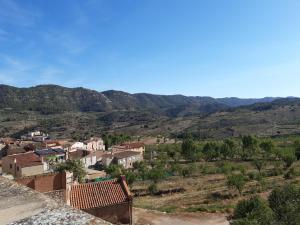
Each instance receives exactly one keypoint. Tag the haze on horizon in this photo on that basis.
(245, 49)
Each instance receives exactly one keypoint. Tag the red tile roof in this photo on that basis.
(26, 159)
(101, 194)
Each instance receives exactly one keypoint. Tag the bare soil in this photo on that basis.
(149, 217)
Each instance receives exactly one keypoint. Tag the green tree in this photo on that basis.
(254, 211)
(259, 164)
(188, 148)
(211, 151)
(130, 178)
(297, 149)
(237, 181)
(156, 174)
(267, 146)
(285, 202)
(227, 149)
(74, 166)
(249, 145)
(114, 170)
(288, 157)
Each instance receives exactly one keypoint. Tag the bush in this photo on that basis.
(285, 202)
(153, 189)
(237, 181)
(253, 211)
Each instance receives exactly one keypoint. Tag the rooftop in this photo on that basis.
(26, 159)
(94, 195)
(50, 151)
(20, 205)
(125, 154)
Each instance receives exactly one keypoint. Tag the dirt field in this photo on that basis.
(143, 217)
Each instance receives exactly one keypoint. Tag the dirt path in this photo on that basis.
(146, 217)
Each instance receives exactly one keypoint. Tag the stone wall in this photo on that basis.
(45, 183)
(116, 214)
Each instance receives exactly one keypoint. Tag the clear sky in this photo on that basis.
(243, 48)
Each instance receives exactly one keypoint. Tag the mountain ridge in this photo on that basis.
(43, 97)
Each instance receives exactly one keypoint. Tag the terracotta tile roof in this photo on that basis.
(133, 145)
(101, 194)
(26, 159)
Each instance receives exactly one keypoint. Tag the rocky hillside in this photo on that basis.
(49, 99)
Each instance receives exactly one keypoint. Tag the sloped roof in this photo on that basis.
(125, 154)
(26, 159)
(101, 194)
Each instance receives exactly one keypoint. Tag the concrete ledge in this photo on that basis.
(22, 205)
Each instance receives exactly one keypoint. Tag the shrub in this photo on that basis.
(253, 211)
(153, 189)
(237, 181)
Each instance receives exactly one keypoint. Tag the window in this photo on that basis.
(18, 168)
(10, 166)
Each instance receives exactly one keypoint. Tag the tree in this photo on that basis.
(238, 181)
(188, 149)
(211, 151)
(114, 170)
(249, 144)
(285, 202)
(130, 177)
(153, 189)
(267, 148)
(227, 149)
(156, 174)
(297, 149)
(74, 166)
(288, 157)
(254, 211)
(259, 164)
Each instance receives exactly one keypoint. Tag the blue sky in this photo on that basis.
(216, 48)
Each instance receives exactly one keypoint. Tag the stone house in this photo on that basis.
(84, 156)
(95, 144)
(127, 158)
(20, 165)
(109, 200)
(134, 146)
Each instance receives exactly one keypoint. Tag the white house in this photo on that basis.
(77, 145)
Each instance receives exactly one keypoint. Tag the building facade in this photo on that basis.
(20, 165)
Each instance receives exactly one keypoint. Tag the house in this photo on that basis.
(84, 156)
(127, 158)
(37, 136)
(77, 145)
(50, 157)
(14, 149)
(20, 165)
(95, 144)
(135, 147)
(51, 144)
(109, 200)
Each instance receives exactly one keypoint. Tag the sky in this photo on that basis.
(217, 48)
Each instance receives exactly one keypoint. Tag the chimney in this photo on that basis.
(68, 184)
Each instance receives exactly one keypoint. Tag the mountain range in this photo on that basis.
(63, 110)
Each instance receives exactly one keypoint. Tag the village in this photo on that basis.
(34, 159)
